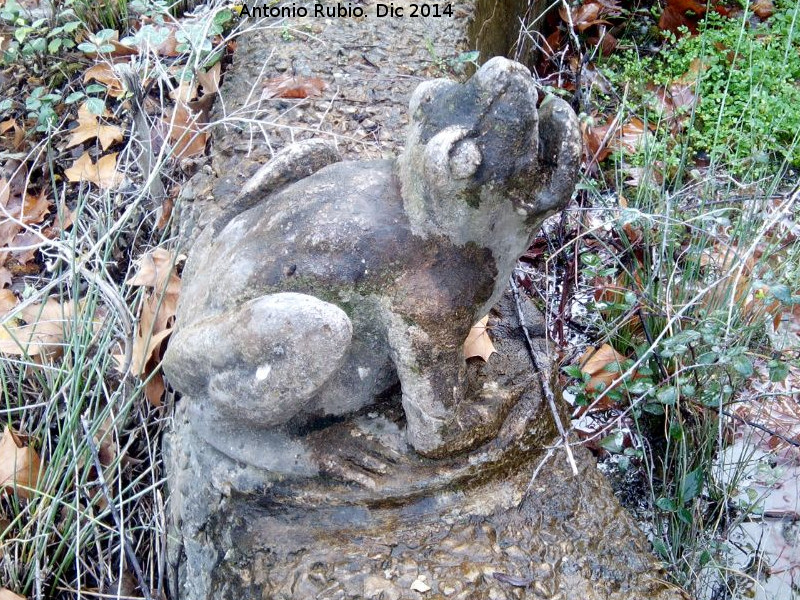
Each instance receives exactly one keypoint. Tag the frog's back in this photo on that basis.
(342, 228)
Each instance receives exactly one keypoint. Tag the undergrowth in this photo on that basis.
(677, 261)
(732, 93)
(87, 517)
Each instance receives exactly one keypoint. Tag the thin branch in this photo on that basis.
(129, 553)
(547, 391)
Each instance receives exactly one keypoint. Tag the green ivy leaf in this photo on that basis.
(781, 293)
(667, 395)
(684, 515)
(96, 106)
(692, 484)
(613, 443)
(661, 548)
(778, 370)
(73, 97)
(708, 358)
(653, 408)
(666, 504)
(743, 365)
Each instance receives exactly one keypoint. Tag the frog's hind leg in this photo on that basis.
(260, 364)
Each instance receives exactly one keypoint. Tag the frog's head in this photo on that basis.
(477, 144)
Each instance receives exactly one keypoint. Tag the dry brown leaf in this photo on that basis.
(169, 47)
(5, 191)
(89, 127)
(103, 173)
(33, 210)
(184, 92)
(552, 44)
(681, 13)
(36, 330)
(631, 135)
(15, 172)
(122, 50)
(105, 442)
(597, 365)
(478, 342)
(156, 317)
(154, 388)
(210, 79)
(104, 73)
(7, 301)
(156, 269)
(25, 245)
(595, 140)
(763, 9)
(19, 467)
(285, 86)
(9, 595)
(186, 131)
(166, 210)
(607, 42)
(590, 13)
(18, 136)
(5, 277)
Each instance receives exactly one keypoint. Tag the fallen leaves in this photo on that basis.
(104, 73)
(19, 212)
(478, 342)
(601, 140)
(186, 130)
(103, 173)
(286, 86)
(9, 595)
(681, 13)
(603, 365)
(157, 270)
(589, 14)
(17, 135)
(763, 9)
(19, 465)
(36, 330)
(89, 127)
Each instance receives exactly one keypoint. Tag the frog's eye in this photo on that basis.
(428, 92)
(450, 156)
(465, 158)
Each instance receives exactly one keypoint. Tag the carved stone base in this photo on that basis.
(369, 518)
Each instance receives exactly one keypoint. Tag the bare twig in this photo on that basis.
(547, 391)
(129, 553)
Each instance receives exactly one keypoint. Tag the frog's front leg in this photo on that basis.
(432, 371)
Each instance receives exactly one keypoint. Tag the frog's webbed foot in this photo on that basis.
(369, 449)
(257, 366)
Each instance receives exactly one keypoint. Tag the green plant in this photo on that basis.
(101, 14)
(39, 39)
(40, 106)
(197, 39)
(99, 43)
(671, 283)
(737, 102)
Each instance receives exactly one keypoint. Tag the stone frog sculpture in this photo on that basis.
(335, 286)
